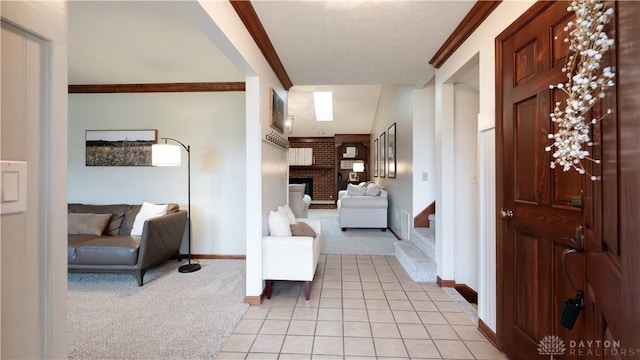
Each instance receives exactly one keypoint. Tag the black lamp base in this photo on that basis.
(188, 268)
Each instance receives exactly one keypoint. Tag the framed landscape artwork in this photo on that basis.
(391, 152)
(381, 156)
(277, 111)
(119, 147)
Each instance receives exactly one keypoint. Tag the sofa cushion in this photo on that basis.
(356, 190)
(364, 202)
(147, 211)
(278, 225)
(73, 241)
(87, 223)
(372, 189)
(117, 212)
(302, 229)
(108, 250)
(287, 213)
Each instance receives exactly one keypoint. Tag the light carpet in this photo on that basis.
(354, 241)
(173, 316)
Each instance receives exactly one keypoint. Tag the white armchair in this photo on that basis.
(298, 201)
(293, 258)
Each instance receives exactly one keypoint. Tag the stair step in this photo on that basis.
(417, 264)
(425, 239)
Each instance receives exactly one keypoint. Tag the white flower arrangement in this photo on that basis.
(586, 84)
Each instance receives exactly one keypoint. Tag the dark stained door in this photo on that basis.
(531, 281)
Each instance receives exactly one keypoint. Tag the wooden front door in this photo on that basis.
(542, 208)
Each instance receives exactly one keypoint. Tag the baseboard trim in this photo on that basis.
(254, 300)
(216, 257)
(394, 234)
(445, 283)
(488, 333)
(468, 293)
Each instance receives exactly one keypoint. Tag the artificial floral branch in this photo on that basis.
(586, 84)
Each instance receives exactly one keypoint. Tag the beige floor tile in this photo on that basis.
(332, 284)
(395, 295)
(352, 294)
(294, 357)
(356, 329)
(384, 316)
(406, 317)
(374, 294)
(432, 317)
(330, 314)
(262, 356)
(453, 349)
(469, 332)
(331, 303)
(329, 328)
(239, 343)
(248, 326)
(353, 304)
(368, 285)
(400, 305)
(267, 344)
(390, 278)
(287, 303)
(327, 357)
(305, 314)
(377, 304)
(442, 332)
(256, 312)
(359, 346)
(333, 278)
(392, 286)
(439, 296)
(390, 347)
(418, 295)
(230, 356)
(385, 330)
(411, 286)
(328, 345)
(457, 318)
(447, 306)
(421, 305)
(423, 349)
(413, 331)
(351, 285)
(302, 327)
(355, 315)
(331, 293)
(296, 344)
(274, 327)
(484, 350)
(350, 278)
(313, 302)
(280, 314)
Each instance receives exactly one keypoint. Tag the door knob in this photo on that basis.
(505, 214)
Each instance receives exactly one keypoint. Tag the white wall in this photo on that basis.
(466, 185)
(33, 123)
(481, 43)
(211, 123)
(226, 30)
(424, 147)
(396, 106)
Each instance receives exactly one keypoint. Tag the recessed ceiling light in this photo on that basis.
(323, 102)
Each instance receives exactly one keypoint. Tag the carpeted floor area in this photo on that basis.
(354, 241)
(173, 316)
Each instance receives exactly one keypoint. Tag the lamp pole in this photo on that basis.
(189, 267)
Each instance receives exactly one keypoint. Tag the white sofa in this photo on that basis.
(293, 258)
(362, 211)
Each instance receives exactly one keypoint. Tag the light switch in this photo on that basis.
(10, 186)
(425, 176)
(14, 187)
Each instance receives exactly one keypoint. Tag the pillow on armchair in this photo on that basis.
(356, 190)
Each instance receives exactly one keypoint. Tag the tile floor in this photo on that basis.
(361, 307)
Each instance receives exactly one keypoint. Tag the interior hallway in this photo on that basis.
(361, 307)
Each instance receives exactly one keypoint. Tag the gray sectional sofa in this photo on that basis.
(113, 249)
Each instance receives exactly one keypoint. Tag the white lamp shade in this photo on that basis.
(358, 167)
(165, 155)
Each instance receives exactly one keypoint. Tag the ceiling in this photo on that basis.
(349, 47)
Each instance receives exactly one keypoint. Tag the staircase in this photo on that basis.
(417, 255)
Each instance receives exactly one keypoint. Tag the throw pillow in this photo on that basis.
(373, 190)
(287, 213)
(278, 225)
(355, 190)
(147, 211)
(87, 224)
(302, 229)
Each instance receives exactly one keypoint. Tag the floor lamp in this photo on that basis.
(169, 155)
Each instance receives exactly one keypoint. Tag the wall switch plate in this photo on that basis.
(425, 176)
(13, 181)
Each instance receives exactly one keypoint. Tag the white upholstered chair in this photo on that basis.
(298, 201)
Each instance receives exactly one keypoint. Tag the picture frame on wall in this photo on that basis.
(277, 111)
(119, 147)
(376, 150)
(391, 152)
(381, 159)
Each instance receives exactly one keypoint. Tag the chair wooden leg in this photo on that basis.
(307, 290)
(268, 289)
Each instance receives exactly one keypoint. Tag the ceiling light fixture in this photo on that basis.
(323, 102)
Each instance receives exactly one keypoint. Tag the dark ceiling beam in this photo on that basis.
(478, 13)
(160, 87)
(250, 19)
